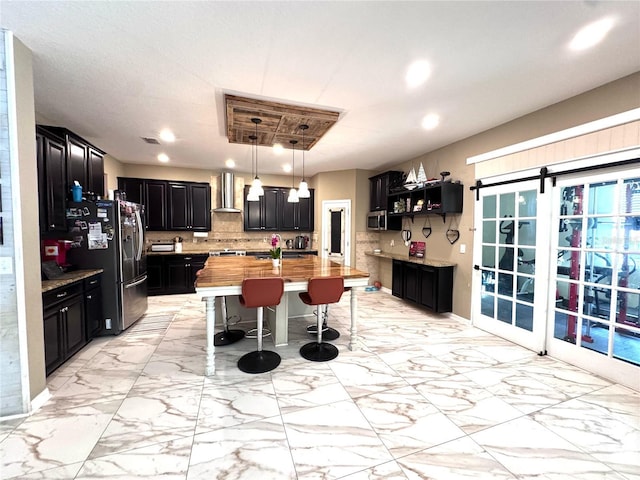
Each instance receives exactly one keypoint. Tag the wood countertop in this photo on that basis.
(431, 262)
(69, 278)
(230, 271)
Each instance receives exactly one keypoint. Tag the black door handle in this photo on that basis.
(476, 267)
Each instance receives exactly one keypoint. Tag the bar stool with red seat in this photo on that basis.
(259, 293)
(328, 333)
(321, 291)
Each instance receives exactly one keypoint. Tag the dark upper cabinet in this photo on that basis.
(134, 188)
(296, 216)
(379, 189)
(52, 176)
(171, 205)
(155, 196)
(95, 172)
(263, 214)
(273, 212)
(77, 162)
(189, 206)
(84, 162)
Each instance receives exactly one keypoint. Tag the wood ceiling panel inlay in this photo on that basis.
(280, 122)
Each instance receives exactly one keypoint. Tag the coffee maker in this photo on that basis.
(56, 250)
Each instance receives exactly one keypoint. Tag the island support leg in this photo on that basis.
(210, 303)
(353, 340)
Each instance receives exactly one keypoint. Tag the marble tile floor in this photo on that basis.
(427, 397)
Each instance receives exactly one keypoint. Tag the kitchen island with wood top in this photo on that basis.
(223, 276)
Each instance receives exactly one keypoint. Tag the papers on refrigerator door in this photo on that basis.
(96, 239)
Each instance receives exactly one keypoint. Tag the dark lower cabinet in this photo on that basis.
(426, 285)
(171, 274)
(64, 324)
(397, 286)
(155, 275)
(410, 282)
(93, 305)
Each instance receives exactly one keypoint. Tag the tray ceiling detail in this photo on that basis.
(280, 122)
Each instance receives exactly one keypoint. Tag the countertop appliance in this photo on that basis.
(301, 242)
(377, 220)
(109, 234)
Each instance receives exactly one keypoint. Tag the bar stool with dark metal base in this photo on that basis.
(328, 333)
(259, 293)
(227, 336)
(321, 291)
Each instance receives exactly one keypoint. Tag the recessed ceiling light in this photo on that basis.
(230, 163)
(163, 157)
(591, 34)
(167, 135)
(417, 73)
(286, 167)
(430, 121)
(278, 148)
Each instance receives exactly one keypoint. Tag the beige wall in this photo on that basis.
(615, 97)
(29, 236)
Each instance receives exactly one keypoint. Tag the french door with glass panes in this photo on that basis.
(511, 264)
(595, 308)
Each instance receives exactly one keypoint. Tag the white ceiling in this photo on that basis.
(114, 72)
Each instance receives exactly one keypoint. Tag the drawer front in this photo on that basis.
(61, 294)
(92, 282)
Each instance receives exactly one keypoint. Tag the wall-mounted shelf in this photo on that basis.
(436, 199)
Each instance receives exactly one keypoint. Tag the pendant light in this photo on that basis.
(293, 195)
(257, 184)
(303, 188)
(253, 192)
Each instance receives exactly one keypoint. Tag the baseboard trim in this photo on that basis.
(40, 399)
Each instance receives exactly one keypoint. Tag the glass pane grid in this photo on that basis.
(608, 302)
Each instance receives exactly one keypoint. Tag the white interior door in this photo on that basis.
(336, 231)
(511, 264)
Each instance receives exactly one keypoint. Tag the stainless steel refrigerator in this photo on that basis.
(109, 234)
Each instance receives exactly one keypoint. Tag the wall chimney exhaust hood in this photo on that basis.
(226, 188)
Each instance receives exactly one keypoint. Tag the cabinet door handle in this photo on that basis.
(62, 295)
(89, 297)
(93, 282)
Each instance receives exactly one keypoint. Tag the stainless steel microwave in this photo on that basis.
(377, 220)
